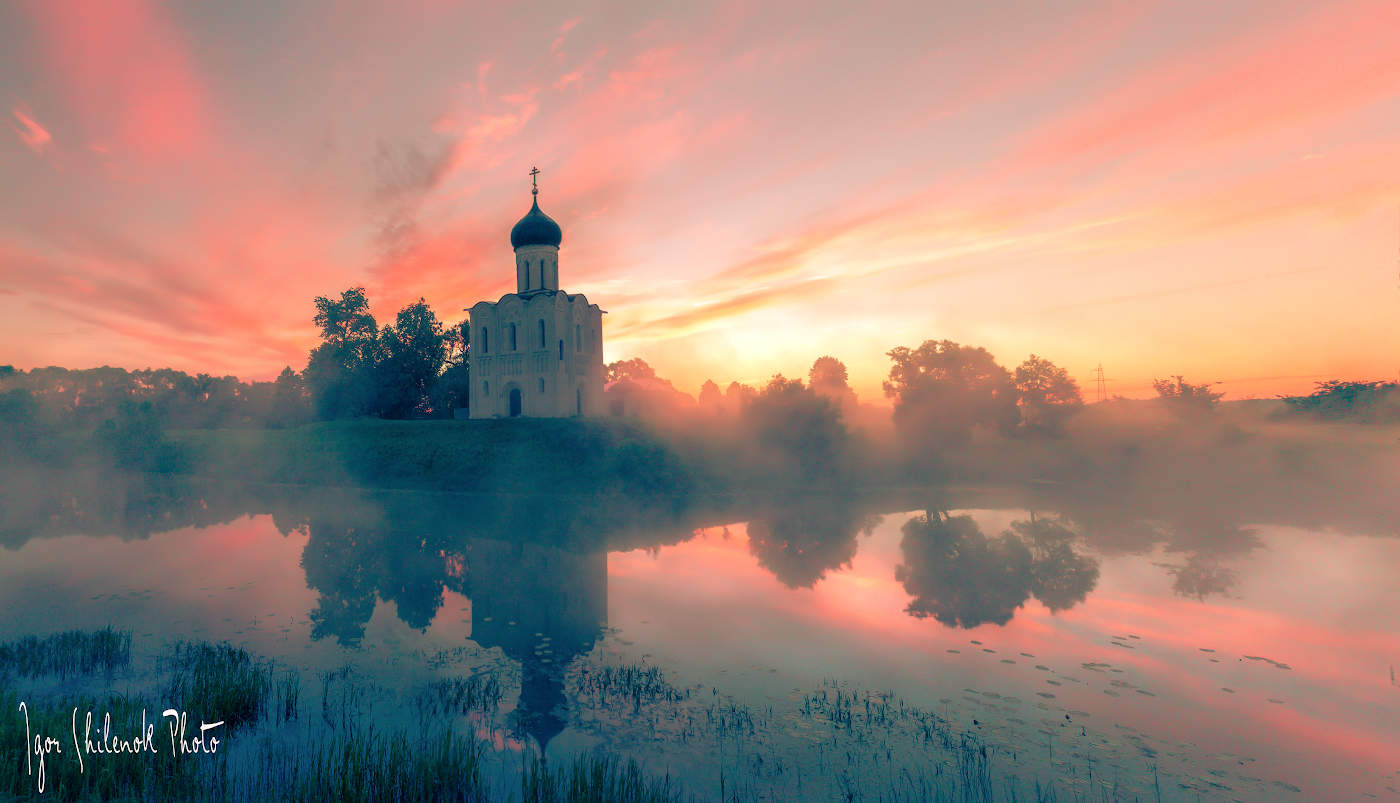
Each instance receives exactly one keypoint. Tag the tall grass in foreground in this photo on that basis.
(143, 777)
(67, 654)
(593, 779)
(218, 682)
(366, 765)
(355, 761)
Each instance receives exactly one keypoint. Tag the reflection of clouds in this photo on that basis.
(799, 544)
(962, 578)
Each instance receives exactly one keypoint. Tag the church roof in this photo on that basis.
(536, 228)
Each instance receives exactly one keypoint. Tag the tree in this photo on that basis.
(941, 390)
(19, 421)
(1046, 395)
(1184, 398)
(828, 378)
(1336, 399)
(453, 389)
(291, 405)
(340, 371)
(828, 375)
(737, 397)
(797, 431)
(635, 368)
(412, 355)
(711, 400)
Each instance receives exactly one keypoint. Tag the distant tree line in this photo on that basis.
(63, 398)
(942, 394)
(1374, 402)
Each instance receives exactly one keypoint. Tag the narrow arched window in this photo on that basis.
(561, 350)
(486, 388)
(485, 347)
(512, 337)
(541, 332)
(541, 384)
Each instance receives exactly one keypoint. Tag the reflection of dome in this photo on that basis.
(543, 606)
(536, 228)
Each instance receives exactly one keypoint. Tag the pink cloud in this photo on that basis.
(1340, 58)
(128, 74)
(33, 135)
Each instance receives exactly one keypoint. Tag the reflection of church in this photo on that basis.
(543, 606)
(536, 352)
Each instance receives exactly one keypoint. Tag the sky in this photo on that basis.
(1208, 189)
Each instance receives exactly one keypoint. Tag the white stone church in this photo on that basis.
(536, 352)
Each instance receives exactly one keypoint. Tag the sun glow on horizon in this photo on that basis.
(1160, 188)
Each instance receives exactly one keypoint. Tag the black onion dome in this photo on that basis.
(536, 228)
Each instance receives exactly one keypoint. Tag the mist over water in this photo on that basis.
(782, 593)
(1236, 647)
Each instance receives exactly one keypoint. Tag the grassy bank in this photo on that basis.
(498, 456)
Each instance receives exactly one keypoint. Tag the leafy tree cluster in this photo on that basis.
(1184, 398)
(413, 368)
(1377, 402)
(944, 391)
(635, 368)
(798, 432)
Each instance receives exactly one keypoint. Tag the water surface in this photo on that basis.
(1091, 646)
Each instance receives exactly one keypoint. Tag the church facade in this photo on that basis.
(537, 352)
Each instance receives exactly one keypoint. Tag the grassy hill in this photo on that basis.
(491, 456)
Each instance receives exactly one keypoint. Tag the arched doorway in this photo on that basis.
(515, 402)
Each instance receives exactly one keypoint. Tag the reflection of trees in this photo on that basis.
(1201, 576)
(1060, 577)
(1205, 536)
(1208, 545)
(962, 578)
(353, 566)
(801, 542)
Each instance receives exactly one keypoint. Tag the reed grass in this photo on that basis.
(218, 683)
(459, 696)
(371, 766)
(68, 654)
(593, 778)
